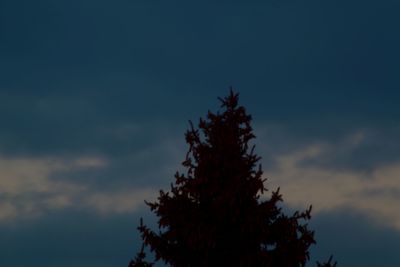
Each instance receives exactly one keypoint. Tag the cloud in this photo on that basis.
(304, 182)
(90, 162)
(30, 187)
(126, 201)
(27, 187)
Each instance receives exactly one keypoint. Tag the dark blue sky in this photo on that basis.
(95, 97)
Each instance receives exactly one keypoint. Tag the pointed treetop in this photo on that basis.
(231, 101)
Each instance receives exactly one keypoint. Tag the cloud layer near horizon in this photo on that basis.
(31, 186)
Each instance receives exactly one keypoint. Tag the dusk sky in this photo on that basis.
(95, 98)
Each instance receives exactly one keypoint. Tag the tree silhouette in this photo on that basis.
(213, 214)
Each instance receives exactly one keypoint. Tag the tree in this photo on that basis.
(213, 214)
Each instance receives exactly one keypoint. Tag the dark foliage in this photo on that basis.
(213, 215)
(139, 260)
(328, 264)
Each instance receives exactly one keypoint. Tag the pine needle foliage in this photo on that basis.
(213, 214)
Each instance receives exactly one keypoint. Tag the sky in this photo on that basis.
(95, 98)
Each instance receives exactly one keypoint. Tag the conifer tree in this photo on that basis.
(213, 215)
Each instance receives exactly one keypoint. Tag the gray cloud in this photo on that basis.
(353, 148)
(30, 189)
(328, 189)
